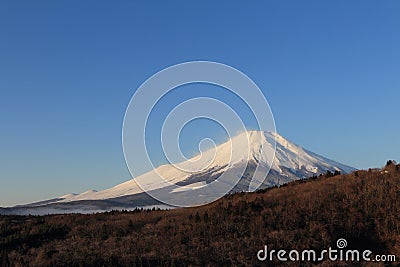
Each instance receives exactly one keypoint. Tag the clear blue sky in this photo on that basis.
(329, 69)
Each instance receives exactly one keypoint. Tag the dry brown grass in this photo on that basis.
(362, 207)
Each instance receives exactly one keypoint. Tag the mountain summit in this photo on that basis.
(247, 162)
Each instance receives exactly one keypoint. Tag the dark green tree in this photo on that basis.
(336, 173)
(197, 217)
(328, 174)
(390, 162)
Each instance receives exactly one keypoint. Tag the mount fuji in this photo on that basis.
(249, 161)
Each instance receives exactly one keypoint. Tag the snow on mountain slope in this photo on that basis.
(295, 157)
(291, 162)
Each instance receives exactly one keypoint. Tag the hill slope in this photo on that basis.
(362, 207)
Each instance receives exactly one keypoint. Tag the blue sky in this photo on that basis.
(329, 69)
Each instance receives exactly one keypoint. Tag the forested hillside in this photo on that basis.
(363, 207)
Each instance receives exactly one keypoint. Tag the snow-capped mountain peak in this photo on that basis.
(248, 161)
(290, 161)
